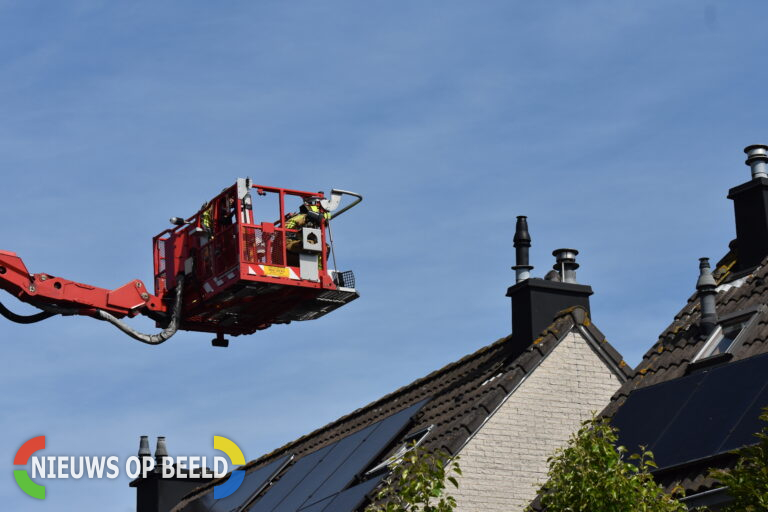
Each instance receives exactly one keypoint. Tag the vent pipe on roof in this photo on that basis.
(757, 157)
(707, 289)
(522, 243)
(144, 448)
(161, 452)
(565, 264)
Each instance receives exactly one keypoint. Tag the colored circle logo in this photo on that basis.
(236, 477)
(22, 477)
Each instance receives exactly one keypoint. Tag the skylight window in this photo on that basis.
(724, 338)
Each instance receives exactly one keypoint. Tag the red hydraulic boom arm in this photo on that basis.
(58, 295)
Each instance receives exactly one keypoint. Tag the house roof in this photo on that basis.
(678, 345)
(458, 398)
(682, 340)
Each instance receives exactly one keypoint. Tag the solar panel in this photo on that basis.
(352, 498)
(289, 480)
(714, 408)
(347, 501)
(339, 452)
(254, 481)
(647, 411)
(386, 431)
(749, 424)
(320, 505)
(258, 490)
(328, 471)
(703, 414)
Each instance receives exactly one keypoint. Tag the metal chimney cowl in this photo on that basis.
(757, 157)
(161, 452)
(565, 264)
(144, 447)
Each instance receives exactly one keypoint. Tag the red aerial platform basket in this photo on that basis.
(218, 271)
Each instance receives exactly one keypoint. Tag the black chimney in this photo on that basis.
(535, 302)
(157, 494)
(750, 203)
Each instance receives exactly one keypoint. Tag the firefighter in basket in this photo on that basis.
(309, 216)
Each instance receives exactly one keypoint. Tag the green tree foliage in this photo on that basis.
(591, 473)
(748, 481)
(417, 483)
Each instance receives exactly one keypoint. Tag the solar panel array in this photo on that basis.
(346, 501)
(319, 481)
(253, 483)
(706, 413)
(325, 473)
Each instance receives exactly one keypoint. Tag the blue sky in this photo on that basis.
(616, 127)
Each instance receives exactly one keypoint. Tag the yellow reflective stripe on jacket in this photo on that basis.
(207, 219)
(296, 221)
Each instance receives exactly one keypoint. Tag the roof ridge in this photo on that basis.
(386, 398)
(578, 314)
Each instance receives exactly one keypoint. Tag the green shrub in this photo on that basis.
(592, 474)
(417, 483)
(748, 481)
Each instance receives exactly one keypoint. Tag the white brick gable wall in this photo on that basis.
(505, 462)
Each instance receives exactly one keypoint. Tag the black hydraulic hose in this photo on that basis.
(150, 339)
(25, 319)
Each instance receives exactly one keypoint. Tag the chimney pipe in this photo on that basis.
(522, 243)
(161, 452)
(565, 264)
(144, 447)
(757, 157)
(706, 287)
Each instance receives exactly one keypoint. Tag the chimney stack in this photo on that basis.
(155, 493)
(522, 243)
(707, 289)
(750, 203)
(536, 301)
